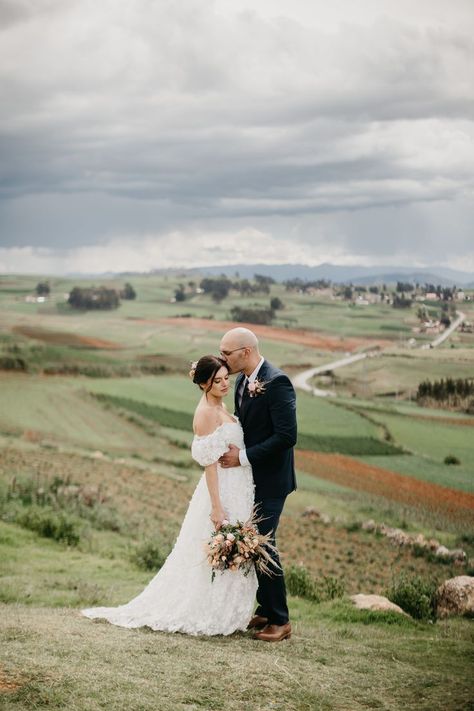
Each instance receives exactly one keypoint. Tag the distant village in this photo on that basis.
(402, 295)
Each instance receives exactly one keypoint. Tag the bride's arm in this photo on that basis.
(205, 423)
(217, 511)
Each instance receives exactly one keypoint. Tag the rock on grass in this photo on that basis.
(376, 602)
(456, 597)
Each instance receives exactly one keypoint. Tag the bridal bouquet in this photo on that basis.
(238, 547)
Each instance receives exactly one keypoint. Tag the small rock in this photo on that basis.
(442, 552)
(369, 525)
(325, 518)
(420, 540)
(98, 454)
(397, 536)
(456, 596)
(311, 512)
(376, 602)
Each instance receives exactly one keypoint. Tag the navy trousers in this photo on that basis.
(271, 593)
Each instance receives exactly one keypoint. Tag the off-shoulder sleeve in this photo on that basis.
(207, 450)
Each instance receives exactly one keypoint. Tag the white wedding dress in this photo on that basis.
(181, 596)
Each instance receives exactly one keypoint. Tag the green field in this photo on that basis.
(432, 440)
(104, 404)
(399, 373)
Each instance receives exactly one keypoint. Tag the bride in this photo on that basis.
(181, 596)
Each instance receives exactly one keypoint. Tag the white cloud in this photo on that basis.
(196, 248)
(174, 249)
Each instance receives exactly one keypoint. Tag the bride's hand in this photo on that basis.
(217, 516)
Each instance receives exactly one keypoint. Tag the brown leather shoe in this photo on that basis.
(257, 622)
(274, 633)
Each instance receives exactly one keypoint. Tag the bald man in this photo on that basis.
(265, 404)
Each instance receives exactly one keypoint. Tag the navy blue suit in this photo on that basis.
(268, 420)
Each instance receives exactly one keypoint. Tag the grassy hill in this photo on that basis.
(96, 475)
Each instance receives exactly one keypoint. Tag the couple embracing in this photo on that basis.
(249, 465)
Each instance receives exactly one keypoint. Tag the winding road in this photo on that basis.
(302, 380)
(446, 334)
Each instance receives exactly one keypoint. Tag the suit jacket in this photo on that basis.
(269, 424)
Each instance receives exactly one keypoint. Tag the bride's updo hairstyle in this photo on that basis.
(206, 368)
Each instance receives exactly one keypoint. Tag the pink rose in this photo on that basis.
(230, 537)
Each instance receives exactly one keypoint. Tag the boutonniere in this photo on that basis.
(256, 388)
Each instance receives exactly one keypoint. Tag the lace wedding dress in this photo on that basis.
(181, 596)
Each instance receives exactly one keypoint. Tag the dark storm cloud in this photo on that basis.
(129, 118)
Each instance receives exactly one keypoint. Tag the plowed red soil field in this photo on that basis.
(301, 337)
(383, 482)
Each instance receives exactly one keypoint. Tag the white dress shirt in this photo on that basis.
(243, 459)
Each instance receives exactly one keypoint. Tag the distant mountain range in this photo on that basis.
(343, 274)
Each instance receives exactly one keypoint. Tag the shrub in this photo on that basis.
(451, 459)
(13, 363)
(276, 304)
(353, 526)
(332, 587)
(27, 491)
(301, 584)
(43, 288)
(414, 595)
(102, 518)
(49, 524)
(128, 292)
(424, 552)
(467, 537)
(259, 316)
(93, 298)
(148, 556)
(217, 287)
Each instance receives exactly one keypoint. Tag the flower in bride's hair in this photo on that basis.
(193, 369)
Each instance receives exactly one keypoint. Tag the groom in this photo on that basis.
(265, 403)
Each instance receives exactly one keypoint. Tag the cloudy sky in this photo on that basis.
(140, 134)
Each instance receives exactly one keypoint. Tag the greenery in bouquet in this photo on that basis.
(240, 546)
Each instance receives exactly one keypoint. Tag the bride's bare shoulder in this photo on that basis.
(206, 420)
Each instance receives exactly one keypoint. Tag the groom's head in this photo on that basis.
(239, 349)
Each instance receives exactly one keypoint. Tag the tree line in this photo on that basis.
(219, 287)
(457, 393)
(95, 298)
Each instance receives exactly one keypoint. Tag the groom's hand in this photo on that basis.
(230, 458)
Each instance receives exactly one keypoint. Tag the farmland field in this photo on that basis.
(100, 402)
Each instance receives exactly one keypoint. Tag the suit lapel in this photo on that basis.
(236, 391)
(246, 399)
